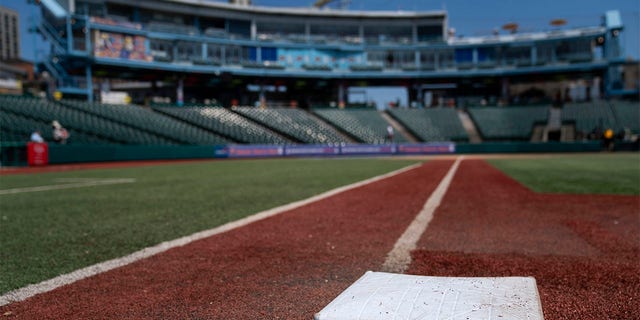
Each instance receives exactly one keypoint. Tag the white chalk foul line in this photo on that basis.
(65, 279)
(399, 257)
(81, 184)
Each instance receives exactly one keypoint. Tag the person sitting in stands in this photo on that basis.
(390, 133)
(607, 139)
(60, 134)
(37, 137)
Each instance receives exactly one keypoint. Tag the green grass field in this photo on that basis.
(617, 173)
(48, 233)
(45, 234)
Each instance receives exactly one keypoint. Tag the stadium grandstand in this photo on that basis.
(188, 51)
(195, 73)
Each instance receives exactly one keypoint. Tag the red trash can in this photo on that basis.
(37, 154)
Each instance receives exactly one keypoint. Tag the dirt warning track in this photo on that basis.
(285, 267)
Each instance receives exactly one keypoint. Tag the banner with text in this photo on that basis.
(261, 151)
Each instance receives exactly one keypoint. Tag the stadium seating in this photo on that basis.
(366, 126)
(294, 123)
(74, 120)
(225, 123)
(18, 128)
(507, 123)
(628, 115)
(146, 119)
(94, 123)
(590, 116)
(431, 124)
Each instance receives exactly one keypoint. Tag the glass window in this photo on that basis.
(429, 33)
(381, 34)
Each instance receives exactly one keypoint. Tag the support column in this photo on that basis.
(89, 83)
(505, 90)
(419, 97)
(180, 92)
(262, 97)
(254, 29)
(87, 38)
(341, 100)
(534, 55)
(69, 34)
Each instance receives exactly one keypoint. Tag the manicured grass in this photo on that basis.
(616, 173)
(48, 233)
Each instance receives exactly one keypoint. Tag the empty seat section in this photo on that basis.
(628, 115)
(507, 123)
(18, 128)
(294, 123)
(590, 116)
(147, 120)
(365, 125)
(431, 124)
(226, 123)
(75, 120)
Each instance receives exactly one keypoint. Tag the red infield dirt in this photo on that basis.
(582, 250)
(285, 267)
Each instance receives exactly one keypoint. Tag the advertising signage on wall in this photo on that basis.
(120, 46)
(252, 151)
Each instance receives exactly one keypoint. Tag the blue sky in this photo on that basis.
(469, 18)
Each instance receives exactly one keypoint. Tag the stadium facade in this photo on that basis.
(194, 50)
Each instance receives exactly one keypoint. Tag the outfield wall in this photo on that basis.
(15, 154)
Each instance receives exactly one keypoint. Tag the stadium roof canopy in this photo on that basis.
(286, 11)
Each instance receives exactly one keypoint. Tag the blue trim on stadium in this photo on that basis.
(387, 74)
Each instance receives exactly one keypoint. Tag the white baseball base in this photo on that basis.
(380, 295)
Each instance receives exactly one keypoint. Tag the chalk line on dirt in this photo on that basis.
(399, 258)
(65, 279)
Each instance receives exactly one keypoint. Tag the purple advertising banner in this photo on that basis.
(250, 151)
(357, 149)
(311, 150)
(261, 151)
(427, 148)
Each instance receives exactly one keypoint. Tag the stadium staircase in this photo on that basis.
(469, 127)
(398, 127)
(65, 83)
(363, 125)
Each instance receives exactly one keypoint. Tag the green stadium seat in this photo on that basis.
(432, 124)
(591, 115)
(507, 123)
(225, 123)
(628, 115)
(294, 123)
(146, 120)
(366, 126)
